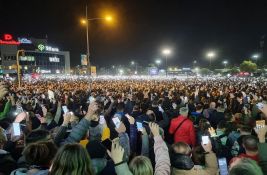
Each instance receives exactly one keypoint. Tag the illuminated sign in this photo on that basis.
(52, 49)
(8, 39)
(42, 47)
(54, 59)
(84, 60)
(27, 58)
(24, 41)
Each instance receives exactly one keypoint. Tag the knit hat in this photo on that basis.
(96, 149)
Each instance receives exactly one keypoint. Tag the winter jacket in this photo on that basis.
(263, 157)
(162, 160)
(186, 132)
(211, 167)
(7, 108)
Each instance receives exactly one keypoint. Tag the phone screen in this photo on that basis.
(107, 143)
(116, 121)
(16, 129)
(102, 120)
(65, 109)
(139, 126)
(260, 124)
(205, 140)
(223, 166)
(259, 105)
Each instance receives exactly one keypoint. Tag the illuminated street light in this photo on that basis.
(166, 52)
(132, 63)
(158, 62)
(108, 18)
(211, 55)
(85, 22)
(225, 63)
(255, 56)
(121, 71)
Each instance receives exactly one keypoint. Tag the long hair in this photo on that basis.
(72, 159)
(141, 165)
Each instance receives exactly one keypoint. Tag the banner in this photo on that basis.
(84, 60)
(93, 71)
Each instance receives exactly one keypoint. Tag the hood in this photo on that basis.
(98, 164)
(181, 161)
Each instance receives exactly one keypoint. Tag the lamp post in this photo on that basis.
(85, 22)
(158, 62)
(225, 63)
(18, 67)
(134, 63)
(210, 55)
(166, 52)
(255, 57)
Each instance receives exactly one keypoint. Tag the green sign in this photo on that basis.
(41, 47)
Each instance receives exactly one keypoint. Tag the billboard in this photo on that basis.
(93, 71)
(153, 71)
(84, 60)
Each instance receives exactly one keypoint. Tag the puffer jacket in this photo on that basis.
(211, 167)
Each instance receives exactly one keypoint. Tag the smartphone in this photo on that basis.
(16, 129)
(223, 166)
(107, 144)
(205, 140)
(65, 109)
(102, 120)
(116, 121)
(260, 124)
(139, 126)
(260, 105)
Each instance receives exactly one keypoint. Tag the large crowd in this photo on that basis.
(133, 127)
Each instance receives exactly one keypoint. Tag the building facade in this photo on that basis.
(37, 57)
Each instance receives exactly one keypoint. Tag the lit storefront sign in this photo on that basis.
(54, 59)
(46, 71)
(42, 47)
(8, 39)
(27, 58)
(24, 41)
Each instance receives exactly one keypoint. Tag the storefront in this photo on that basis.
(37, 57)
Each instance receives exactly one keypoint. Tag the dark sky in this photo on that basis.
(142, 28)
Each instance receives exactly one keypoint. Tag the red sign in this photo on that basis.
(8, 39)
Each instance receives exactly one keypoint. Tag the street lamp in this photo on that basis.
(158, 62)
(211, 55)
(132, 63)
(18, 66)
(255, 57)
(166, 52)
(225, 63)
(85, 22)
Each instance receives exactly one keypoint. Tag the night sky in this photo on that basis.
(142, 28)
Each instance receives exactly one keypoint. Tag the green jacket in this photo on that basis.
(7, 108)
(263, 157)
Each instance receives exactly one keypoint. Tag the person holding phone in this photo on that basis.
(183, 164)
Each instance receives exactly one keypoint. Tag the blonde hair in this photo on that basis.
(182, 148)
(141, 165)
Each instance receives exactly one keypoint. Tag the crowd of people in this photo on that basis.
(133, 127)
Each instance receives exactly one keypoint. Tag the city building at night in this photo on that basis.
(36, 56)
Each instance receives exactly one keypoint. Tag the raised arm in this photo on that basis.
(162, 158)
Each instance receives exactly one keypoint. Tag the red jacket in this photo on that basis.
(186, 132)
